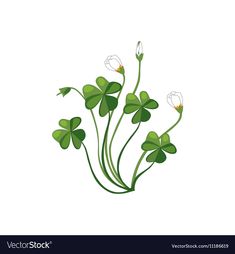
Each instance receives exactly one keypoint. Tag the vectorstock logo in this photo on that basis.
(29, 245)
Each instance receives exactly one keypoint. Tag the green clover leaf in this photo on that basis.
(69, 131)
(133, 104)
(94, 95)
(158, 146)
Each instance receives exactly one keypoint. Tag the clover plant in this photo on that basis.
(105, 96)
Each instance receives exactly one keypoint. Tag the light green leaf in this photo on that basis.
(149, 146)
(92, 101)
(151, 104)
(165, 139)
(90, 90)
(132, 99)
(59, 134)
(64, 123)
(102, 83)
(144, 97)
(130, 108)
(153, 137)
(65, 141)
(169, 148)
(137, 117)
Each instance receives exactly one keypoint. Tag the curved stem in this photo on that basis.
(97, 133)
(97, 180)
(121, 152)
(75, 89)
(137, 167)
(102, 155)
(111, 141)
(120, 119)
(173, 126)
(107, 155)
(135, 178)
(109, 152)
(139, 175)
(138, 79)
(119, 94)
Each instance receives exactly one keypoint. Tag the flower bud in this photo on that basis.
(114, 63)
(64, 91)
(175, 100)
(139, 51)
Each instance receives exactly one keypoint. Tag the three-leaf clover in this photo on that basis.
(69, 131)
(133, 104)
(158, 146)
(94, 95)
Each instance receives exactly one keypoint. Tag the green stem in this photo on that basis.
(97, 133)
(75, 89)
(121, 152)
(108, 158)
(173, 126)
(134, 178)
(137, 167)
(113, 172)
(97, 180)
(107, 152)
(111, 141)
(120, 119)
(138, 79)
(103, 153)
(139, 175)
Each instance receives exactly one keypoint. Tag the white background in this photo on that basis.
(189, 46)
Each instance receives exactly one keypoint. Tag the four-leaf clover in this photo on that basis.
(94, 95)
(68, 132)
(158, 146)
(133, 104)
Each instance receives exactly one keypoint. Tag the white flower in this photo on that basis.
(175, 100)
(114, 63)
(139, 48)
(139, 51)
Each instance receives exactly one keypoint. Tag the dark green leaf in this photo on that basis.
(107, 104)
(77, 137)
(145, 115)
(113, 87)
(133, 104)
(156, 156)
(74, 123)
